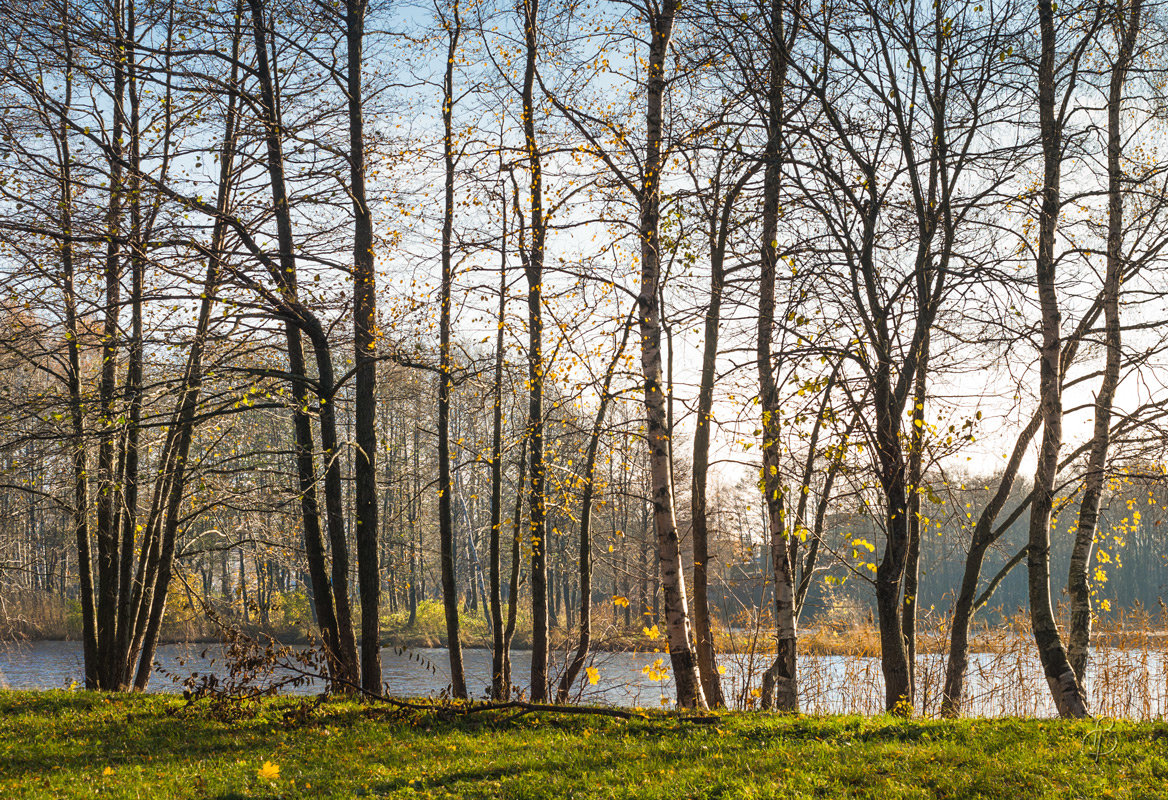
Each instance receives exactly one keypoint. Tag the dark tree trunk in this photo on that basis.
(533, 256)
(1060, 676)
(446, 366)
(499, 688)
(333, 612)
(365, 359)
(780, 683)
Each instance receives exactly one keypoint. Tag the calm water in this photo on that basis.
(1123, 683)
(416, 673)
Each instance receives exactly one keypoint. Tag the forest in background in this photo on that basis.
(582, 319)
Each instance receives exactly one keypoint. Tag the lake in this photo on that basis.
(1124, 683)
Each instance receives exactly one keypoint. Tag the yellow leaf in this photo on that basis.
(269, 771)
(108, 771)
(618, 600)
(593, 675)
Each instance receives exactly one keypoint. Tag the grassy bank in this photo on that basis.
(74, 745)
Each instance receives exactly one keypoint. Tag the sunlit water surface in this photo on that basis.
(1124, 683)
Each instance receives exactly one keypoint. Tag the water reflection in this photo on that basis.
(1124, 683)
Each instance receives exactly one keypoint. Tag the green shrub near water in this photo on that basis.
(429, 628)
(88, 745)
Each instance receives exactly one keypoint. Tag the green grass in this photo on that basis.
(79, 744)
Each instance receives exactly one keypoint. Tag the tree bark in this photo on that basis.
(706, 649)
(365, 360)
(964, 607)
(533, 256)
(780, 683)
(108, 499)
(446, 366)
(499, 689)
(78, 458)
(1068, 696)
(676, 611)
(339, 632)
(1078, 580)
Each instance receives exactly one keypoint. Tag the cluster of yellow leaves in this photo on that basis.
(657, 671)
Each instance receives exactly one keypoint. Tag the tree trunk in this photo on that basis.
(108, 500)
(912, 563)
(657, 433)
(780, 683)
(333, 612)
(499, 689)
(964, 608)
(706, 650)
(581, 654)
(1078, 581)
(77, 449)
(513, 582)
(1060, 676)
(365, 360)
(445, 484)
(533, 256)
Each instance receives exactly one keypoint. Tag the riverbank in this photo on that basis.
(42, 618)
(81, 745)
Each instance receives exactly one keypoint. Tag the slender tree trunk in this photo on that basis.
(984, 535)
(581, 654)
(445, 484)
(415, 535)
(780, 683)
(499, 689)
(706, 650)
(108, 499)
(333, 612)
(73, 379)
(533, 267)
(133, 386)
(162, 524)
(516, 561)
(365, 359)
(1078, 583)
(1068, 696)
(657, 433)
(912, 563)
